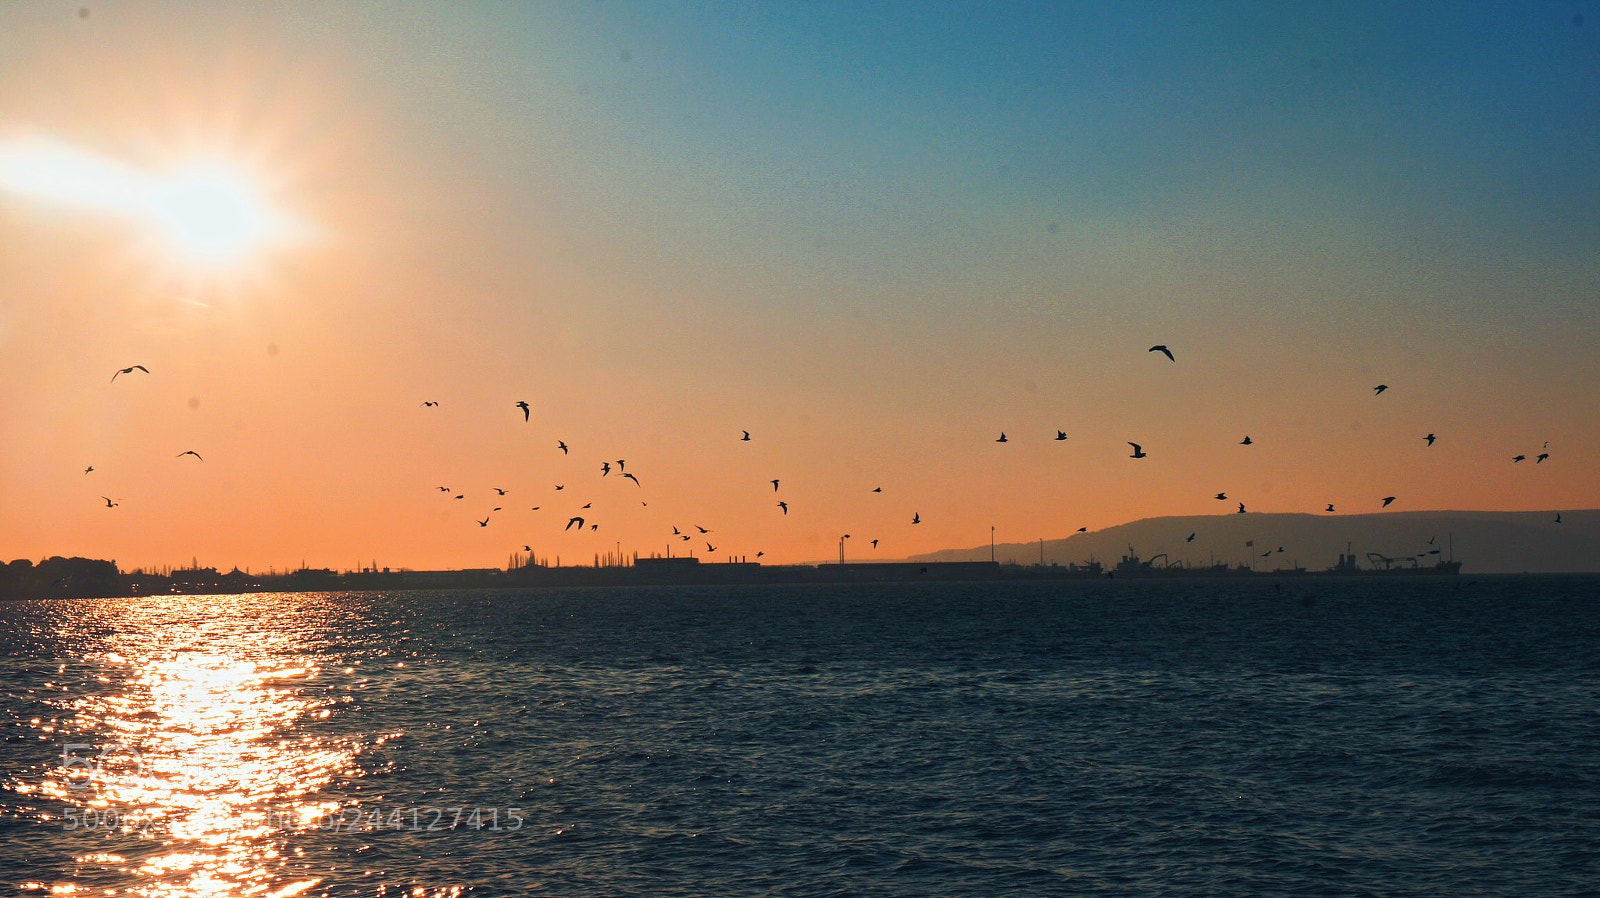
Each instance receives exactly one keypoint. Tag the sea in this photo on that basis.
(1306, 736)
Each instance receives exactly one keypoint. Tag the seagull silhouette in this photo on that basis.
(1558, 517)
(1241, 508)
(746, 437)
(916, 517)
(1517, 458)
(1430, 438)
(88, 469)
(1386, 501)
(524, 406)
(874, 544)
(1246, 441)
(1061, 435)
(109, 503)
(622, 465)
(560, 487)
(1002, 438)
(1330, 506)
(774, 486)
(1222, 496)
(429, 404)
(500, 491)
(633, 478)
(701, 529)
(1379, 389)
(484, 522)
(1083, 529)
(783, 505)
(1190, 539)
(561, 444)
(710, 548)
(877, 489)
(1541, 457)
(189, 452)
(130, 369)
(575, 522)
(1163, 350)
(1138, 451)
(444, 489)
(605, 468)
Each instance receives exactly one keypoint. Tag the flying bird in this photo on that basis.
(1541, 457)
(189, 452)
(605, 468)
(1002, 438)
(1386, 501)
(575, 522)
(633, 478)
(1558, 517)
(461, 495)
(562, 445)
(444, 489)
(746, 437)
(524, 406)
(1330, 506)
(1246, 441)
(1138, 451)
(429, 404)
(877, 489)
(1083, 529)
(88, 469)
(560, 486)
(1517, 458)
(500, 491)
(1061, 435)
(622, 465)
(1222, 497)
(484, 522)
(1430, 438)
(1241, 508)
(109, 503)
(1190, 539)
(875, 542)
(1379, 389)
(701, 529)
(594, 526)
(130, 369)
(774, 486)
(710, 548)
(916, 517)
(783, 505)
(1161, 348)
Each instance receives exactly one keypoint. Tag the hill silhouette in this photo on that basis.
(1484, 541)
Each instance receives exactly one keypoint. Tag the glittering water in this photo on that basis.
(1332, 737)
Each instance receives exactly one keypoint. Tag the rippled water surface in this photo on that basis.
(1324, 737)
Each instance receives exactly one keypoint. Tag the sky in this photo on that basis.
(873, 236)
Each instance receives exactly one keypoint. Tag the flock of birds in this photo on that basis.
(580, 520)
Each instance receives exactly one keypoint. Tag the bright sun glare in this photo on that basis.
(211, 214)
(208, 213)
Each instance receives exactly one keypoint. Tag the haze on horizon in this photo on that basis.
(874, 238)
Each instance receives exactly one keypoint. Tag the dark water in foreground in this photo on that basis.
(1337, 737)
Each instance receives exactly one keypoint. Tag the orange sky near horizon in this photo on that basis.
(873, 258)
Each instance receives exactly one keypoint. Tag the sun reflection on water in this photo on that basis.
(201, 750)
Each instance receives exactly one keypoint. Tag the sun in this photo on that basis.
(208, 213)
(212, 214)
